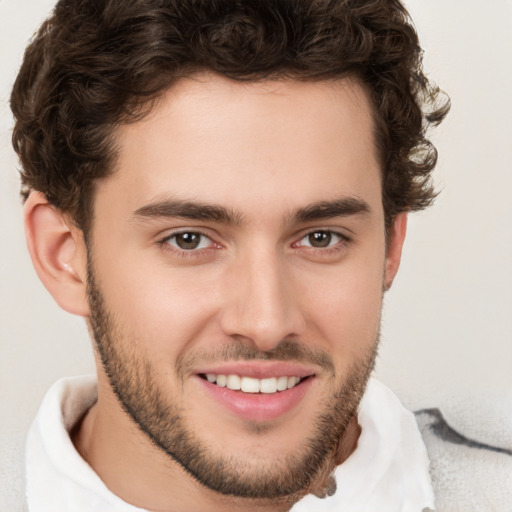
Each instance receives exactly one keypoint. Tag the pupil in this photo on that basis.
(188, 240)
(320, 239)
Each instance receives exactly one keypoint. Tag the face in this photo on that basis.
(236, 270)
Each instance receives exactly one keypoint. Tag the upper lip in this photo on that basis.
(258, 369)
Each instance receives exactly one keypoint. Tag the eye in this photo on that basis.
(188, 241)
(321, 239)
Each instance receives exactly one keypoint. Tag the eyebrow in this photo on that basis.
(343, 207)
(189, 210)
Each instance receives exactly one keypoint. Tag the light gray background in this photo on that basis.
(447, 320)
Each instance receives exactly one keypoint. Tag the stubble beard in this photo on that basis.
(160, 419)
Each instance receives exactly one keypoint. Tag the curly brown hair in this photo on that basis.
(95, 64)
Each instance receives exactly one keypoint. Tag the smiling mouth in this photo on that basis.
(251, 385)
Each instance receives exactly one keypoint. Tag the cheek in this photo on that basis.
(345, 310)
(156, 307)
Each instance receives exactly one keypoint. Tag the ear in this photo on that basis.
(394, 250)
(58, 253)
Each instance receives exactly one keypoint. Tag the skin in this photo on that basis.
(266, 152)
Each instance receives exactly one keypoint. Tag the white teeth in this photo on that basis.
(252, 385)
(282, 383)
(268, 385)
(292, 381)
(233, 382)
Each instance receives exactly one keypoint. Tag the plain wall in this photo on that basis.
(447, 321)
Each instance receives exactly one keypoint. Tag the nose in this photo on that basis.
(261, 305)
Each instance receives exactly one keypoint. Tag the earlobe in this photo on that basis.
(395, 245)
(58, 253)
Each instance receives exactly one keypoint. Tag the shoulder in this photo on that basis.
(467, 474)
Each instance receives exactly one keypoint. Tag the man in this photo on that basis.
(221, 190)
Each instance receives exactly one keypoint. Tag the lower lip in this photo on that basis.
(258, 406)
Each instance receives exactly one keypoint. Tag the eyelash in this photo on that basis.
(183, 253)
(340, 245)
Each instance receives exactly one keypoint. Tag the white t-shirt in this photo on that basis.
(388, 471)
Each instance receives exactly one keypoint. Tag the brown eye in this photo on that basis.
(320, 239)
(189, 241)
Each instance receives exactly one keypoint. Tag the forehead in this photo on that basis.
(282, 144)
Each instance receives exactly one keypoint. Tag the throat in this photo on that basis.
(82, 433)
